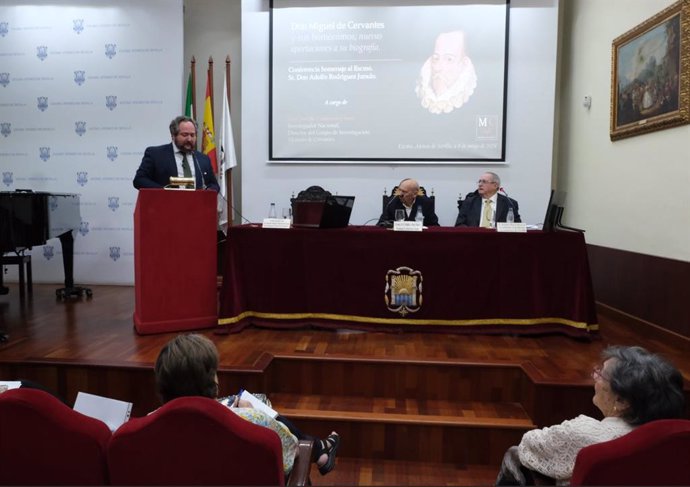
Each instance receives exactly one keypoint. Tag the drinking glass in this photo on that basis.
(399, 215)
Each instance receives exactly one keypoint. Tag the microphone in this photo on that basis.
(388, 223)
(198, 168)
(234, 210)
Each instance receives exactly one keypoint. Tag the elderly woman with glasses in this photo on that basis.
(631, 387)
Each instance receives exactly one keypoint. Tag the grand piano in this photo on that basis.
(29, 218)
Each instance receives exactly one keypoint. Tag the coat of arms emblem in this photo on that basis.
(403, 293)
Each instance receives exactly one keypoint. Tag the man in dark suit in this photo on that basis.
(486, 206)
(411, 203)
(178, 159)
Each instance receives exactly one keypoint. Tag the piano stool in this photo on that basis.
(20, 260)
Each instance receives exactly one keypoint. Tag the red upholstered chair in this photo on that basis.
(194, 441)
(656, 453)
(44, 442)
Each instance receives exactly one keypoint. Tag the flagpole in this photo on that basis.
(210, 78)
(193, 68)
(228, 173)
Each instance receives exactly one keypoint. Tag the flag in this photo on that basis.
(189, 103)
(208, 144)
(228, 159)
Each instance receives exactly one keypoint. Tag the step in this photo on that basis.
(438, 431)
(368, 472)
(403, 411)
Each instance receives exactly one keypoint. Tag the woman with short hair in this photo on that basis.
(631, 387)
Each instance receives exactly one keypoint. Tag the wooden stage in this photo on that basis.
(411, 408)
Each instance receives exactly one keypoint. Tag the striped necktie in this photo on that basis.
(186, 171)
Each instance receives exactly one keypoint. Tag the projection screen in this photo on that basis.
(388, 81)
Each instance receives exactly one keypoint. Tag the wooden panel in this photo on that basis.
(654, 289)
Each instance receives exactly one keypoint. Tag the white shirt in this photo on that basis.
(551, 451)
(178, 161)
(494, 202)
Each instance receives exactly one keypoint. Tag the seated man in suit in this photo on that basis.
(178, 159)
(412, 203)
(486, 206)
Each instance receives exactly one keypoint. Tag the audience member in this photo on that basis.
(409, 201)
(187, 366)
(631, 387)
(486, 205)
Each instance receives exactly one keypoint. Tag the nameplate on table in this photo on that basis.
(405, 226)
(511, 227)
(283, 223)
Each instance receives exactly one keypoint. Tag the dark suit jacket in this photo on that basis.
(470, 211)
(158, 164)
(388, 216)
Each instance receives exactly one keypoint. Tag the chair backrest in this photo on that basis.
(395, 192)
(656, 453)
(44, 442)
(194, 441)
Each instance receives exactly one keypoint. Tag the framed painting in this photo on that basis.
(650, 80)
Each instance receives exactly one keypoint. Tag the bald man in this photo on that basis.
(411, 202)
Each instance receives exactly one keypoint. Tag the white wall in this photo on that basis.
(212, 28)
(141, 77)
(526, 176)
(631, 194)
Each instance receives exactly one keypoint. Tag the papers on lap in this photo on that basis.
(258, 404)
(112, 412)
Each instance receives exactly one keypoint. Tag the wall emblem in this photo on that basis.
(110, 50)
(82, 178)
(44, 153)
(113, 202)
(78, 25)
(111, 102)
(84, 228)
(79, 77)
(42, 52)
(111, 152)
(114, 253)
(7, 178)
(80, 128)
(48, 252)
(42, 103)
(5, 128)
(403, 293)
(4, 79)
(4, 29)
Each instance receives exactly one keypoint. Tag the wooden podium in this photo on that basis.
(175, 261)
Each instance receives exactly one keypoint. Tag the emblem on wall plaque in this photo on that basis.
(403, 292)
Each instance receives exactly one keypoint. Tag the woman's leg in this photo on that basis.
(323, 451)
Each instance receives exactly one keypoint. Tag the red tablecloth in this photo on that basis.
(464, 280)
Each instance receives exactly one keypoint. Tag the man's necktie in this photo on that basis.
(486, 219)
(186, 171)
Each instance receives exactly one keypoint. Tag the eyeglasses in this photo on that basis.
(598, 373)
(485, 181)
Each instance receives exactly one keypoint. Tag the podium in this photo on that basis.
(175, 261)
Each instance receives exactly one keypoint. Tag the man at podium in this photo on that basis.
(177, 159)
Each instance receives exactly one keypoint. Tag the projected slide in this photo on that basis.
(388, 83)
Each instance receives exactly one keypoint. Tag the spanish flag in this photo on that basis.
(208, 144)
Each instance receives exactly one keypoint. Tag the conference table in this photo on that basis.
(465, 280)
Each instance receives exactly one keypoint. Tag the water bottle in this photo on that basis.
(272, 211)
(419, 217)
(511, 217)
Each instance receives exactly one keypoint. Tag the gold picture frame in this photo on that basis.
(650, 80)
